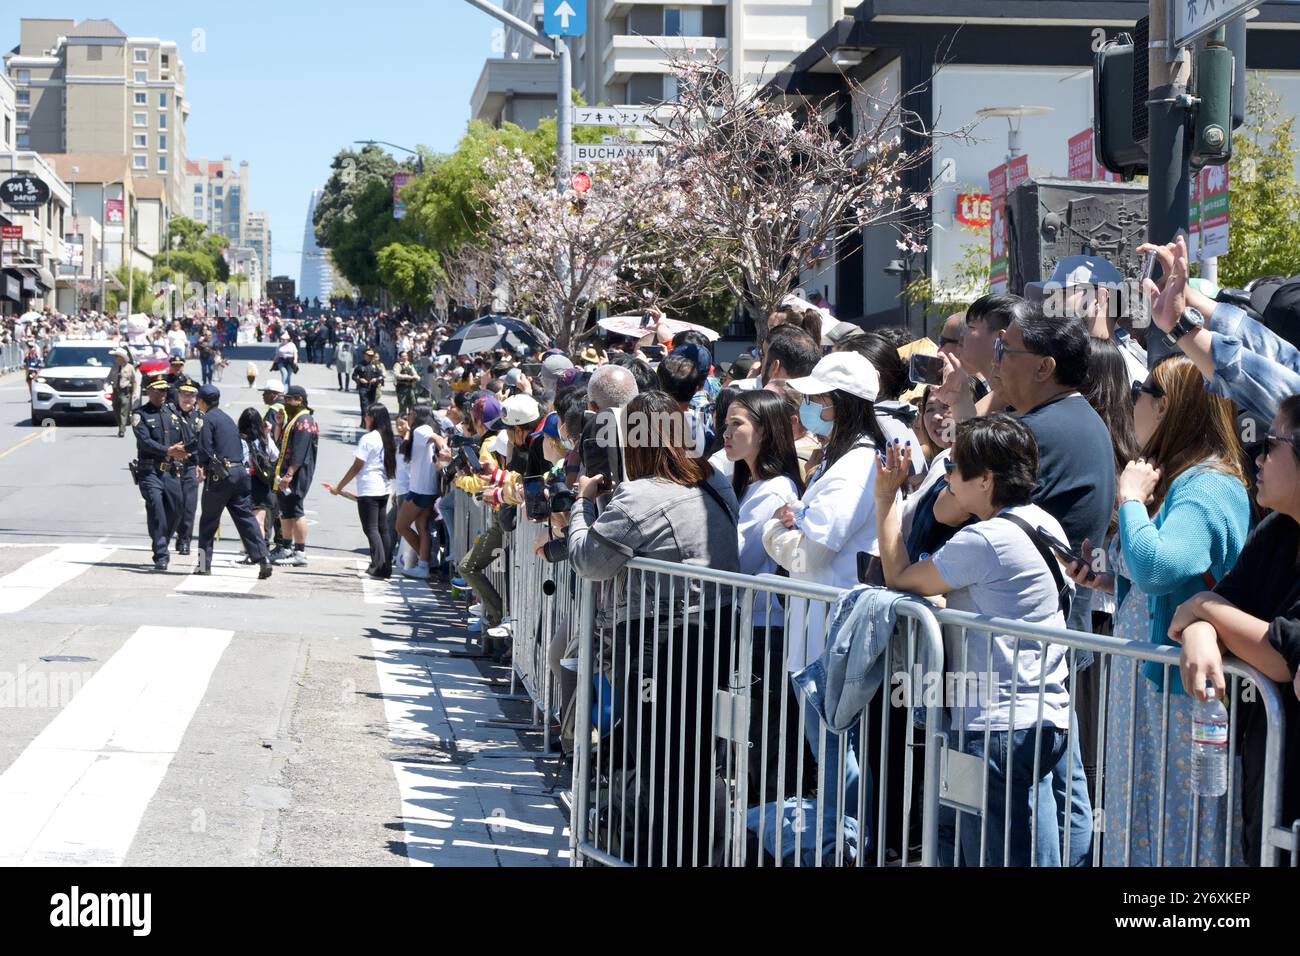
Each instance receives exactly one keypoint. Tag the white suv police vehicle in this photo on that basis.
(73, 380)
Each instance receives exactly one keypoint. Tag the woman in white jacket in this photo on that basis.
(820, 539)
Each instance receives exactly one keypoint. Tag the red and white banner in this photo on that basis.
(1083, 160)
(998, 229)
(974, 209)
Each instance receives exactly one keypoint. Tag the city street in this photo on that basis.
(318, 717)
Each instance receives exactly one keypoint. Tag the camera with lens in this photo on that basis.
(562, 498)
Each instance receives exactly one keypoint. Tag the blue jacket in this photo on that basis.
(841, 683)
(1200, 527)
(1253, 366)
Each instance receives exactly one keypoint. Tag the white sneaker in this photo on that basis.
(421, 570)
(476, 610)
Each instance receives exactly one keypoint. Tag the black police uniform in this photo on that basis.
(156, 430)
(368, 394)
(219, 439)
(191, 427)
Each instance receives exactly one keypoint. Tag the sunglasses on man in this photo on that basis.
(1000, 348)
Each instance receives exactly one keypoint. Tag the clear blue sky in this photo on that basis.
(285, 84)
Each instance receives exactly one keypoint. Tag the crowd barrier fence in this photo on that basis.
(686, 751)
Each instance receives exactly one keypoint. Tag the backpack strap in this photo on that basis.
(1062, 591)
(717, 496)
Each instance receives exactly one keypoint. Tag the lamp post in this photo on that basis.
(419, 159)
(1014, 115)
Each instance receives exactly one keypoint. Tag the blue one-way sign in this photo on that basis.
(565, 18)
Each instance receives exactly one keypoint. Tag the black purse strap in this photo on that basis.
(1062, 592)
(716, 496)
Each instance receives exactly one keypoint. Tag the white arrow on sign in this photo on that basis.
(565, 13)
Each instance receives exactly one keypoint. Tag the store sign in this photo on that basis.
(973, 209)
(25, 192)
(11, 233)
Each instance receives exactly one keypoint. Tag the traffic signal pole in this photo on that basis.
(1169, 150)
(564, 95)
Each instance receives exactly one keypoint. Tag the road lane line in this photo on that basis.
(224, 579)
(75, 796)
(26, 441)
(24, 587)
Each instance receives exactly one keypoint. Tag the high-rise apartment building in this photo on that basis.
(89, 88)
(315, 274)
(620, 59)
(217, 194)
(257, 236)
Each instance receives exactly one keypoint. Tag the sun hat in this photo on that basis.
(840, 371)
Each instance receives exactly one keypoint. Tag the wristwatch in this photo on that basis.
(1189, 321)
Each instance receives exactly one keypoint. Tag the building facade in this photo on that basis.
(315, 274)
(89, 88)
(217, 194)
(620, 60)
(257, 237)
(31, 262)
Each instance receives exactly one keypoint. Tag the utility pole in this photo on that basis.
(1169, 153)
(563, 96)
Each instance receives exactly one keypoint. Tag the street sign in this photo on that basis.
(565, 18)
(25, 192)
(607, 152)
(1192, 19)
(637, 116)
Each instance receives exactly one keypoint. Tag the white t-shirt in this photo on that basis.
(288, 350)
(176, 339)
(424, 471)
(762, 499)
(371, 482)
(998, 572)
(402, 482)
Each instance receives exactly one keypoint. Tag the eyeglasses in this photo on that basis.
(1000, 348)
(1271, 442)
(1153, 390)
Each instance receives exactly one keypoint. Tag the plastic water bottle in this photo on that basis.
(1210, 748)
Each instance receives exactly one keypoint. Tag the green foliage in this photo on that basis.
(407, 271)
(1263, 195)
(141, 290)
(353, 173)
(194, 254)
(968, 281)
(355, 241)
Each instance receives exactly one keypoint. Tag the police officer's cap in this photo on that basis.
(177, 360)
(370, 352)
(209, 394)
(159, 383)
(187, 386)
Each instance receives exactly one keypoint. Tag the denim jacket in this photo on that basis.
(1253, 366)
(841, 683)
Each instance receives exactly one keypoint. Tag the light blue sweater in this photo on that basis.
(1201, 526)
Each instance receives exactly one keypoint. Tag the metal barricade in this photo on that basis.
(692, 748)
(1133, 803)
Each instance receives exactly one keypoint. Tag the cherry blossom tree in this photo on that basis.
(618, 243)
(771, 189)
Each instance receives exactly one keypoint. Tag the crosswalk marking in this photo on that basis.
(224, 579)
(76, 795)
(21, 588)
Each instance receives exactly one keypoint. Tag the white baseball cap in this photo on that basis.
(843, 371)
(519, 410)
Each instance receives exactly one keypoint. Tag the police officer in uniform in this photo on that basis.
(160, 447)
(122, 380)
(369, 377)
(175, 378)
(191, 425)
(226, 485)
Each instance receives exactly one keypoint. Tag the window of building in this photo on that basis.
(218, 205)
(141, 140)
(162, 120)
(162, 142)
(670, 89)
(94, 52)
(23, 116)
(24, 97)
(162, 164)
(141, 98)
(24, 141)
(8, 132)
(142, 76)
(24, 76)
(140, 161)
(218, 190)
(141, 55)
(140, 119)
(198, 188)
(162, 101)
(165, 60)
(645, 88)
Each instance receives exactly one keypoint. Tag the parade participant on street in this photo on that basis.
(286, 359)
(262, 450)
(177, 342)
(406, 379)
(122, 379)
(369, 377)
(208, 356)
(175, 378)
(192, 427)
(293, 474)
(374, 468)
(160, 446)
(226, 485)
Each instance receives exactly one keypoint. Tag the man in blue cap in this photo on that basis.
(226, 485)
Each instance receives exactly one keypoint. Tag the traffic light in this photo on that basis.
(1118, 149)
